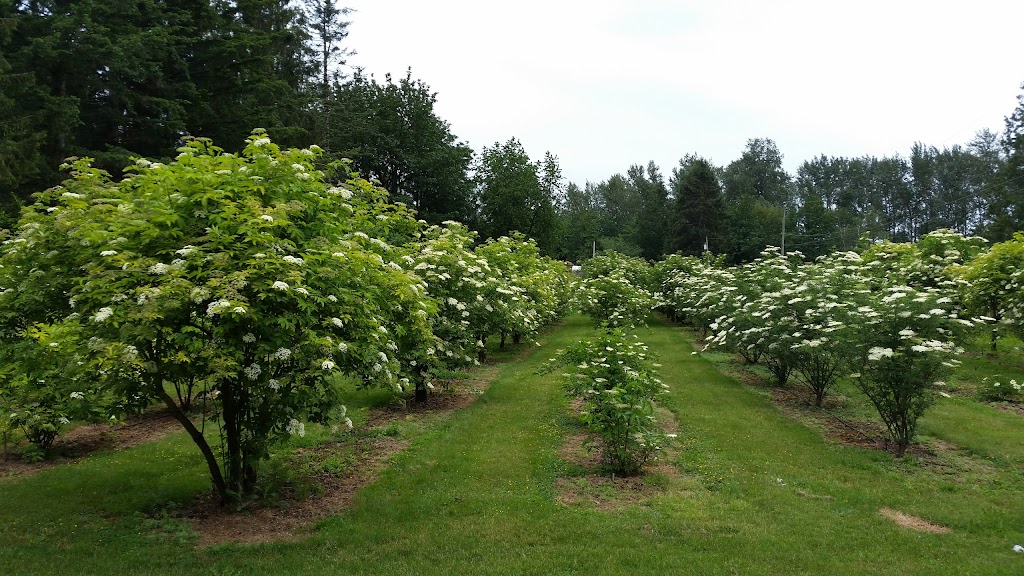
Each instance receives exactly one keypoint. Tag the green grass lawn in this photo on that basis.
(474, 494)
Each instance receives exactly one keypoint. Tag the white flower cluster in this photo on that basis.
(876, 353)
(253, 371)
(216, 307)
(296, 428)
(103, 314)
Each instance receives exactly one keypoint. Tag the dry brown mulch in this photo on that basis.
(1010, 407)
(292, 519)
(88, 439)
(913, 522)
(798, 404)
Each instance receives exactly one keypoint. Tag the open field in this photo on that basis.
(756, 490)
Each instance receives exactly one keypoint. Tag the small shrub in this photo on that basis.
(617, 381)
(997, 389)
(32, 453)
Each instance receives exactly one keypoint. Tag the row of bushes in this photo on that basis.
(252, 281)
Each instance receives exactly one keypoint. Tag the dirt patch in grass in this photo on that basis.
(913, 522)
(293, 519)
(450, 395)
(91, 438)
(365, 456)
(798, 404)
(938, 456)
(593, 486)
(1011, 407)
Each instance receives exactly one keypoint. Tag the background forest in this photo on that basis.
(117, 79)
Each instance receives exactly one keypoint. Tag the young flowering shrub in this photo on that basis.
(618, 383)
(758, 318)
(942, 252)
(823, 303)
(704, 296)
(933, 262)
(245, 274)
(636, 270)
(990, 285)
(905, 345)
(999, 389)
(614, 301)
(523, 291)
(671, 274)
(455, 278)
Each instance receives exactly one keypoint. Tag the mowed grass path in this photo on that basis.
(762, 494)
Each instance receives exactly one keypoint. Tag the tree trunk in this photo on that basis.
(421, 390)
(232, 435)
(517, 338)
(200, 440)
(502, 345)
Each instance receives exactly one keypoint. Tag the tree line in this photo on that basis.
(117, 79)
(831, 203)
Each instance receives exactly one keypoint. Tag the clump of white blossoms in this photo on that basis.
(296, 428)
(253, 371)
(159, 268)
(876, 353)
(216, 307)
(102, 314)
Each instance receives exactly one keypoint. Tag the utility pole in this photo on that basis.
(783, 228)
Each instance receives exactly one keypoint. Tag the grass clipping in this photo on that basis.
(913, 522)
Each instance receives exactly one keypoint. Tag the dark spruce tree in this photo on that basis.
(699, 211)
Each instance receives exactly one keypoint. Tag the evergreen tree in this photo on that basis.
(620, 207)
(578, 223)
(1006, 211)
(20, 141)
(652, 217)
(699, 207)
(329, 29)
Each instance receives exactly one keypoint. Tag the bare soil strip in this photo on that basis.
(598, 489)
(91, 438)
(292, 519)
(913, 522)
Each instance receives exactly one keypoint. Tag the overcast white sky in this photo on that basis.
(605, 84)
